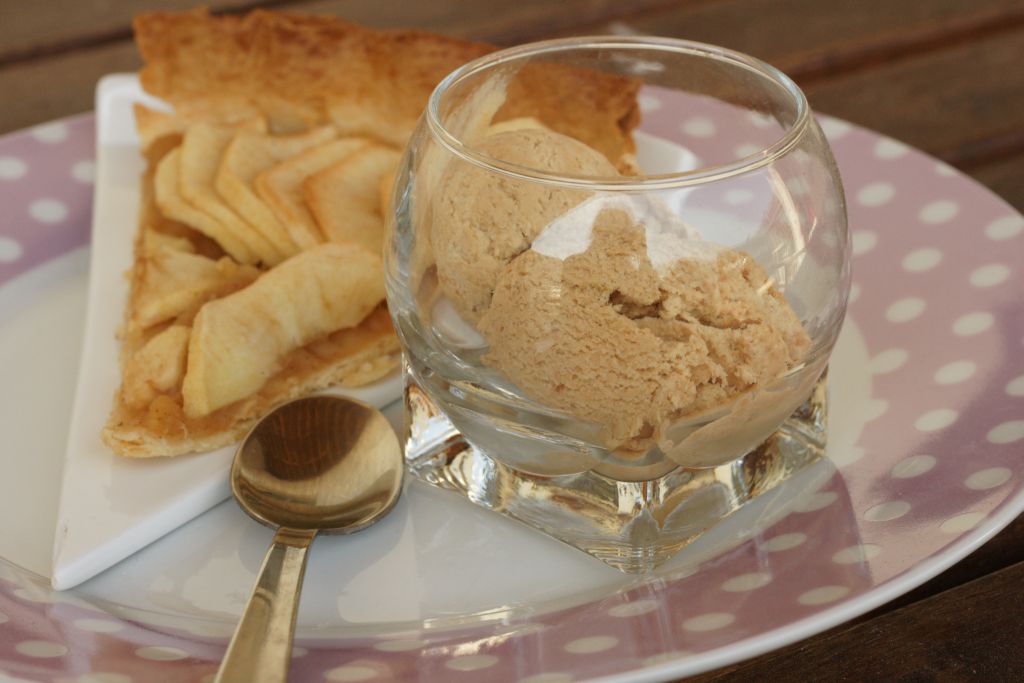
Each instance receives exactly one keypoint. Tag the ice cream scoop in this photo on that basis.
(607, 306)
(482, 219)
(606, 335)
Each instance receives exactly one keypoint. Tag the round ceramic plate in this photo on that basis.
(925, 437)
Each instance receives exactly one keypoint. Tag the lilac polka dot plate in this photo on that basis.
(926, 435)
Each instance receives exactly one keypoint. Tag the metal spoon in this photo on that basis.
(320, 464)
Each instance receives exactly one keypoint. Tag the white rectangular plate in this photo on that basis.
(110, 507)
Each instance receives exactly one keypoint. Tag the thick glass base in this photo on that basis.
(633, 526)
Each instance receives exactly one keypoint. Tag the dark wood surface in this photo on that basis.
(946, 76)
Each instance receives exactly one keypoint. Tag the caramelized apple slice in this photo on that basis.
(345, 198)
(281, 187)
(239, 341)
(248, 155)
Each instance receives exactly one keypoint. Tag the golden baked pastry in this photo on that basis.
(315, 69)
(257, 275)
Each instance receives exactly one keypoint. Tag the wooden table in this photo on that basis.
(943, 75)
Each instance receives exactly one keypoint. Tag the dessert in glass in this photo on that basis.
(608, 336)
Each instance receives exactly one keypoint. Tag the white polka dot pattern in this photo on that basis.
(921, 260)
(350, 673)
(905, 310)
(990, 275)
(886, 512)
(1005, 228)
(817, 501)
(823, 595)
(875, 194)
(550, 677)
(888, 360)
(12, 168)
(1007, 432)
(846, 457)
(48, 210)
(591, 644)
(699, 127)
(160, 653)
(711, 621)
(863, 242)
(834, 129)
(648, 103)
(51, 133)
(10, 250)
(747, 582)
(935, 420)
(857, 554)
(471, 662)
(633, 609)
(746, 150)
(955, 372)
(973, 323)
(854, 292)
(670, 656)
(41, 649)
(399, 645)
(782, 542)
(941, 211)
(104, 677)
(887, 149)
(961, 523)
(988, 478)
(84, 172)
(914, 466)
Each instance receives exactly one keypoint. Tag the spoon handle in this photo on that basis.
(261, 649)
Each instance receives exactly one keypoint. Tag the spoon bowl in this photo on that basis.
(325, 462)
(320, 464)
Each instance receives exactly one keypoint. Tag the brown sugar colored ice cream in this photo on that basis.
(483, 220)
(602, 307)
(607, 337)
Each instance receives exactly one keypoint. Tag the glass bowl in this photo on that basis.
(579, 293)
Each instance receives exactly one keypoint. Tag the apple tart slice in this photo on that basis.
(228, 316)
(257, 275)
(195, 385)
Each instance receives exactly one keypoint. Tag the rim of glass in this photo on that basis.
(698, 176)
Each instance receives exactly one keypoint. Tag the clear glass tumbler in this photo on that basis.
(617, 267)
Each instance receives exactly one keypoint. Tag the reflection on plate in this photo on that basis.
(927, 423)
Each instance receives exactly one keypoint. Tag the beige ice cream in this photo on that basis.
(483, 220)
(605, 307)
